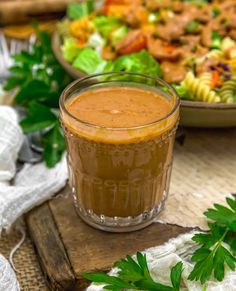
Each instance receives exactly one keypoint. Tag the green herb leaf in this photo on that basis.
(13, 82)
(39, 81)
(212, 256)
(33, 90)
(224, 216)
(54, 146)
(39, 117)
(108, 279)
(175, 275)
(216, 40)
(135, 275)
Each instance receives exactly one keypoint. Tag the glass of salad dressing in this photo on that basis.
(119, 130)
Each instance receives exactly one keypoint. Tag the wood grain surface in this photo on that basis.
(67, 247)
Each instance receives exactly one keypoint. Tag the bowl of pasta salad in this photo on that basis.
(191, 44)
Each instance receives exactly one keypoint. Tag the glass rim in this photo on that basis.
(66, 92)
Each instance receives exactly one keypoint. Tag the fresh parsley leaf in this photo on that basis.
(134, 274)
(230, 239)
(108, 279)
(175, 275)
(39, 117)
(213, 256)
(224, 216)
(54, 146)
(33, 90)
(39, 80)
(13, 82)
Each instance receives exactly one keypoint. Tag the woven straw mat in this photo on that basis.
(204, 171)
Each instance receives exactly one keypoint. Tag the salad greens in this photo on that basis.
(107, 28)
(79, 10)
(89, 61)
(118, 34)
(141, 62)
(105, 25)
(70, 49)
(39, 80)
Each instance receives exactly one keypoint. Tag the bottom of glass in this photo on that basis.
(119, 224)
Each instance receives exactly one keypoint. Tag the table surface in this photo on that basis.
(200, 144)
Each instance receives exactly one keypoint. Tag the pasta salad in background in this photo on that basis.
(191, 44)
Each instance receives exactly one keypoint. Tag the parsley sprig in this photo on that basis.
(39, 80)
(217, 250)
(135, 275)
(218, 246)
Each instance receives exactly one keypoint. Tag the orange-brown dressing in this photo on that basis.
(116, 107)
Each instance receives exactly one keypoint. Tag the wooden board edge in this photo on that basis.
(55, 265)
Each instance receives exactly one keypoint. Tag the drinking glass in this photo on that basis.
(119, 177)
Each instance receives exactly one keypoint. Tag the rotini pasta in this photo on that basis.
(199, 90)
(181, 35)
(214, 54)
(206, 78)
(228, 91)
(228, 46)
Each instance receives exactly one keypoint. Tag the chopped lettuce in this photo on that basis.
(141, 62)
(89, 61)
(70, 49)
(96, 42)
(183, 92)
(105, 25)
(119, 34)
(79, 10)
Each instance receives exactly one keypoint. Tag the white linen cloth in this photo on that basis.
(33, 185)
(160, 259)
(8, 281)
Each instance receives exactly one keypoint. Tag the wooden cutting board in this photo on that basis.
(67, 247)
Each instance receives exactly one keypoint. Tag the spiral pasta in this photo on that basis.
(206, 78)
(199, 90)
(228, 91)
(228, 46)
(216, 54)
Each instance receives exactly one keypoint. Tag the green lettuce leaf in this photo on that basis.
(79, 10)
(89, 61)
(70, 49)
(105, 25)
(141, 62)
(119, 34)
